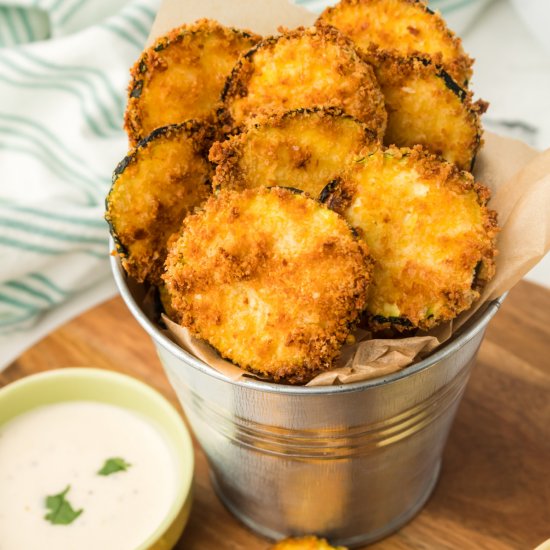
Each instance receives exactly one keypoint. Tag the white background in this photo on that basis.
(512, 72)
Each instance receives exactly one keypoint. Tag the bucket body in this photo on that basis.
(351, 463)
(352, 466)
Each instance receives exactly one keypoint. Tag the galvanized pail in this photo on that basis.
(351, 463)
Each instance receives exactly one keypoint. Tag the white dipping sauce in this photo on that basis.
(48, 448)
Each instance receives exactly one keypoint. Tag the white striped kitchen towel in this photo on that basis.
(63, 74)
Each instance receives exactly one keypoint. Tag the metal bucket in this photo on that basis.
(351, 463)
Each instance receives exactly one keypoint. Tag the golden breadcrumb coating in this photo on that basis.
(272, 279)
(406, 27)
(429, 231)
(305, 543)
(426, 107)
(181, 76)
(154, 187)
(305, 149)
(313, 67)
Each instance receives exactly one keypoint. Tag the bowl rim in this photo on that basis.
(466, 333)
(185, 471)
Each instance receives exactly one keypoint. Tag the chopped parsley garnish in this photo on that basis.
(61, 511)
(113, 465)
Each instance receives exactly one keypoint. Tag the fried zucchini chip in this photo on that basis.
(154, 187)
(313, 67)
(277, 289)
(429, 231)
(182, 75)
(426, 107)
(407, 27)
(304, 149)
(305, 543)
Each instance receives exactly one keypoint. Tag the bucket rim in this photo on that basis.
(468, 332)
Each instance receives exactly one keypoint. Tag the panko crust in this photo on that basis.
(304, 149)
(305, 67)
(160, 180)
(305, 543)
(277, 289)
(429, 231)
(404, 27)
(427, 107)
(181, 76)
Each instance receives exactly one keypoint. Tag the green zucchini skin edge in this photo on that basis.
(326, 196)
(459, 91)
(462, 94)
(250, 54)
(447, 78)
(327, 191)
(246, 56)
(221, 113)
(163, 43)
(270, 40)
(189, 127)
(452, 85)
(293, 190)
(335, 112)
(402, 321)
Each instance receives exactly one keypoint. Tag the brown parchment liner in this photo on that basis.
(518, 176)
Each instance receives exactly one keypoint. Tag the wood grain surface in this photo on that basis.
(494, 490)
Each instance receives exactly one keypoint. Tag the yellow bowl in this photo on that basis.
(104, 386)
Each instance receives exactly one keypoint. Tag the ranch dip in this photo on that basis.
(51, 448)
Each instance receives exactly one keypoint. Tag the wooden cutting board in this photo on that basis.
(494, 490)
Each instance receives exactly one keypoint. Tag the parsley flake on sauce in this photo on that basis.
(113, 465)
(61, 511)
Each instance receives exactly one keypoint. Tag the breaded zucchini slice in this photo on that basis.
(426, 107)
(304, 149)
(313, 67)
(429, 231)
(154, 187)
(272, 279)
(181, 76)
(406, 27)
(305, 543)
